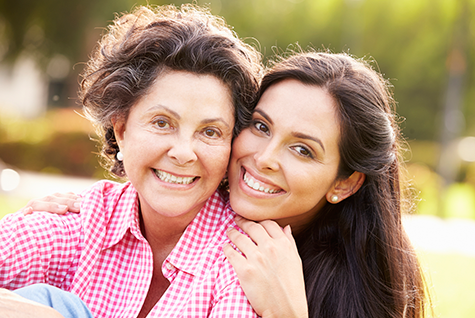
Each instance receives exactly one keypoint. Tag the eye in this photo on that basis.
(212, 133)
(261, 127)
(162, 123)
(303, 151)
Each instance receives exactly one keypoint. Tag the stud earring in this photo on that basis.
(334, 198)
(120, 156)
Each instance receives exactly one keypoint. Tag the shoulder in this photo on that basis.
(106, 196)
(39, 222)
(104, 190)
(214, 219)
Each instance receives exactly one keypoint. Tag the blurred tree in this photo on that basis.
(50, 27)
(409, 39)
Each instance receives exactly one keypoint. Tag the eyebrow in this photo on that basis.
(155, 107)
(175, 114)
(213, 120)
(263, 114)
(305, 136)
(295, 134)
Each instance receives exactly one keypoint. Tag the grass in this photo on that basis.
(453, 283)
(450, 276)
(10, 204)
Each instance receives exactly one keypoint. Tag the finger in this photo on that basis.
(238, 262)
(51, 207)
(234, 257)
(66, 195)
(255, 230)
(288, 234)
(26, 210)
(72, 201)
(273, 229)
(242, 242)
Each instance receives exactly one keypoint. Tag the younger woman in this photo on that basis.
(322, 155)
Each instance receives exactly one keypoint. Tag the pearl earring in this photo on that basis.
(334, 198)
(120, 156)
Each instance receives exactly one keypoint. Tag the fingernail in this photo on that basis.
(62, 206)
(77, 204)
(27, 210)
(290, 229)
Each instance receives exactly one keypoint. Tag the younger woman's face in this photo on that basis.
(284, 164)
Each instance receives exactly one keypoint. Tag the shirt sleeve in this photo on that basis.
(38, 248)
(230, 299)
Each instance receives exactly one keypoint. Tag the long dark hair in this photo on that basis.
(141, 45)
(357, 259)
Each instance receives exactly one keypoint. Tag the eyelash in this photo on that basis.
(157, 121)
(257, 123)
(214, 130)
(308, 155)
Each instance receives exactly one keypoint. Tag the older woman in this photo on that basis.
(168, 89)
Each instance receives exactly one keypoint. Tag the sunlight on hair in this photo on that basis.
(9, 179)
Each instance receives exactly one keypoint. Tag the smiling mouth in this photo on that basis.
(254, 184)
(170, 178)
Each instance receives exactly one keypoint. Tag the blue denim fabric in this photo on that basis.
(67, 304)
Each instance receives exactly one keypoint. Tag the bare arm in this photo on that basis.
(270, 271)
(15, 306)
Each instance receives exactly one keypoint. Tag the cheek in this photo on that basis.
(216, 160)
(243, 144)
(312, 184)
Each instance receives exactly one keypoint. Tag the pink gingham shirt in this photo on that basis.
(101, 255)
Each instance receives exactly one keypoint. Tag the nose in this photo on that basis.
(267, 158)
(182, 151)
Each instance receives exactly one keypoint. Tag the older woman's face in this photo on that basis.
(176, 142)
(285, 163)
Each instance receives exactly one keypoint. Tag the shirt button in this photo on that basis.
(169, 266)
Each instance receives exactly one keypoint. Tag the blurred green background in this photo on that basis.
(424, 47)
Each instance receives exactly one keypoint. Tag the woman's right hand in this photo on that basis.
(269, 268)
(59, 203)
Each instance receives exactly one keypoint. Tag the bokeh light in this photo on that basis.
(9, 179)
(466, 149)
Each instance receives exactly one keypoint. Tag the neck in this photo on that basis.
(161, 231)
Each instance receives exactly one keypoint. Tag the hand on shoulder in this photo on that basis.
(269, 268)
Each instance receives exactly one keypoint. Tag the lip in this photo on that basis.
(255, 193)
(181, 186)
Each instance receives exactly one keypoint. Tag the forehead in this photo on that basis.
(299, 102)
(189, 93)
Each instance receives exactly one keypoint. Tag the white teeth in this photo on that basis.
(167, 177)
(256, 186)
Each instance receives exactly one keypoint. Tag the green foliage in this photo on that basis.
(50, 27)
(410, 40)
(57, 143)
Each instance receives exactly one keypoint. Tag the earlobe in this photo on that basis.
(346, 187)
